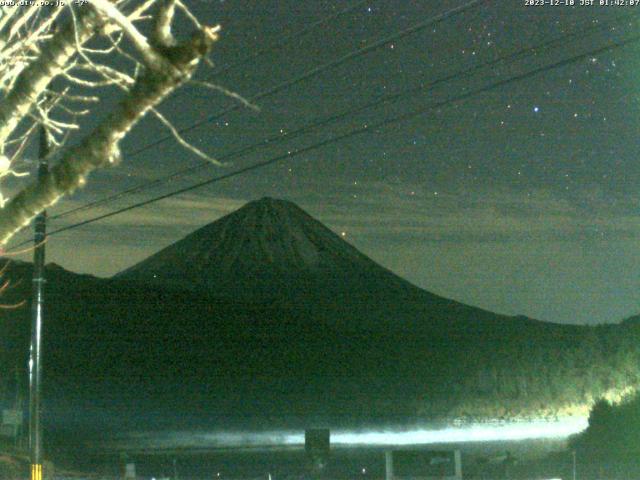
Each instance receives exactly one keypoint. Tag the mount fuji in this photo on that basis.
(272, 250)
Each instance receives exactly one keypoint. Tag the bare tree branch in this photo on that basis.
(35, 78)
(101, 146)
(176, 134)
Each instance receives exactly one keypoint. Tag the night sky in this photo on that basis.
(520, 200)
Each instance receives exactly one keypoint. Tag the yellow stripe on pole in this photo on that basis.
(36, 471)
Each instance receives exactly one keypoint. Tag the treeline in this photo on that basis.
(610, 446)
(543, 370)
(109, 346)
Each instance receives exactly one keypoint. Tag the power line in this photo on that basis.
(287, 38)
(503, 60)
(282, 41)
(317, 70)
(357, 131)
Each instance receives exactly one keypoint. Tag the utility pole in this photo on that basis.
(37, 305)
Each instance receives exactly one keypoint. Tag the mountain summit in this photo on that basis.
(266, 246)
(273, 251)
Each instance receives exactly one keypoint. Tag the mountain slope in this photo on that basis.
(271, 250)
(265, 236)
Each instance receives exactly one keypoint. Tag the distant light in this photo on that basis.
(473, 433)
(536, 109)
(480, 432)
(364, 470)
